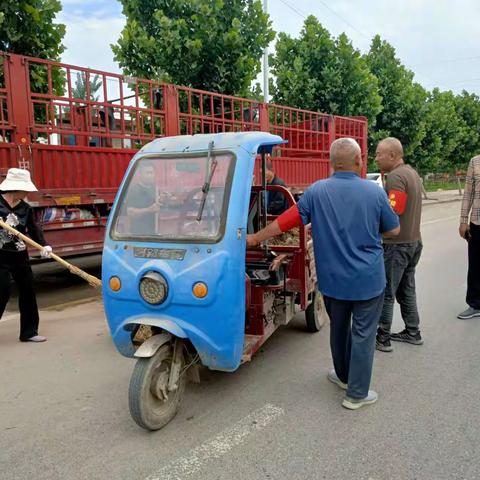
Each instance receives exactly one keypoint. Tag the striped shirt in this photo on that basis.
(471, 195)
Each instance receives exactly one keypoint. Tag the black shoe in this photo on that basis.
(404, 336)
(383, 345)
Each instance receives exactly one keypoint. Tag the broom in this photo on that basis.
(93, 281)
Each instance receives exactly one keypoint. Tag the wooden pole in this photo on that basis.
(92, 280)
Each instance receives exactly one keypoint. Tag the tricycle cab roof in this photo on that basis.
(251, 142)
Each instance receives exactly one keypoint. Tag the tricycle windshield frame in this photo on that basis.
(162, 195)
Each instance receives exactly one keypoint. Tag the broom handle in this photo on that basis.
(20, 235)
(36, 245)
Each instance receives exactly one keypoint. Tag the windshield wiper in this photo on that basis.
(211, 166)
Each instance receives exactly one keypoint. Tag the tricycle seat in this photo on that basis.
(260, 274)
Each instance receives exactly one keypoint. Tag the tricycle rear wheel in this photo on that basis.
(316, 314)
(152, 406)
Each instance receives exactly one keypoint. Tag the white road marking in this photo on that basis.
(438, 220)
(220, 445)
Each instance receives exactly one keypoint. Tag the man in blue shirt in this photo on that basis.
(348, 216)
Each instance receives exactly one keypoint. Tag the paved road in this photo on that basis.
(64, 412)
(56, 285)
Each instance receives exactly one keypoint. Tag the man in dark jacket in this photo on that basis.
(276, 201)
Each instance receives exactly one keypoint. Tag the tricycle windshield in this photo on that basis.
(181, 198)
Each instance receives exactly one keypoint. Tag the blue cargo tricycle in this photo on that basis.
(180, 288)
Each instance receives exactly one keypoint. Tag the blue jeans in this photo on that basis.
(353, 325)
(400, 263)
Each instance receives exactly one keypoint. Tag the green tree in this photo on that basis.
(80, 88)
(403, 100)
(467, 106)
(444, 131)
(213, 45)
(28, 27)
(321, 73)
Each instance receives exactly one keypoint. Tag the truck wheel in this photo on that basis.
(315, 314)
(152, 406)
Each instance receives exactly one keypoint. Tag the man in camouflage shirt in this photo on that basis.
(470, 231)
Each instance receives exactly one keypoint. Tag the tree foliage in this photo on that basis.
(403, 101)
(440, 131)
(443, 132)
(213, 45)
(80, 88)
(467, 106)
(28, 27)
(321, 73)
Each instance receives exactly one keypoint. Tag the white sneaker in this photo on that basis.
(37, 339)
(332, 376)
(356, 403)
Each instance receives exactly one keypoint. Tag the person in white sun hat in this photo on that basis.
(14, 260)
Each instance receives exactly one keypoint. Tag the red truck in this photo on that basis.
(76, 130)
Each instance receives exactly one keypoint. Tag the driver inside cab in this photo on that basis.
(143, 203)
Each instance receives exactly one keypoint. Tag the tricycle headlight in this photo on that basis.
(153, 288)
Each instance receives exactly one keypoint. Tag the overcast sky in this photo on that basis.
(438, 39)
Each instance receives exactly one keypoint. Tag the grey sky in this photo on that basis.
(438, 39)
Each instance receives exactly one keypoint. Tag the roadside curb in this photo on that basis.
(432, 201)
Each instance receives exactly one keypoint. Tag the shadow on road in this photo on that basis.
(56, 285)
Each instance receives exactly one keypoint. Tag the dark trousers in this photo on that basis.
(16, 265)
(400, 263)
(353, 325)
(473, 278)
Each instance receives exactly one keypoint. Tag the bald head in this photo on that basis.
(394, 145)
(389, 154)
(345, 155)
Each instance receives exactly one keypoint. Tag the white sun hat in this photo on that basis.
(18, 179)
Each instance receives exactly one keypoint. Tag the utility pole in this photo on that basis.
(265, 63)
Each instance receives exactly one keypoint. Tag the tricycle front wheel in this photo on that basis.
(316, 314)
(152, 404)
